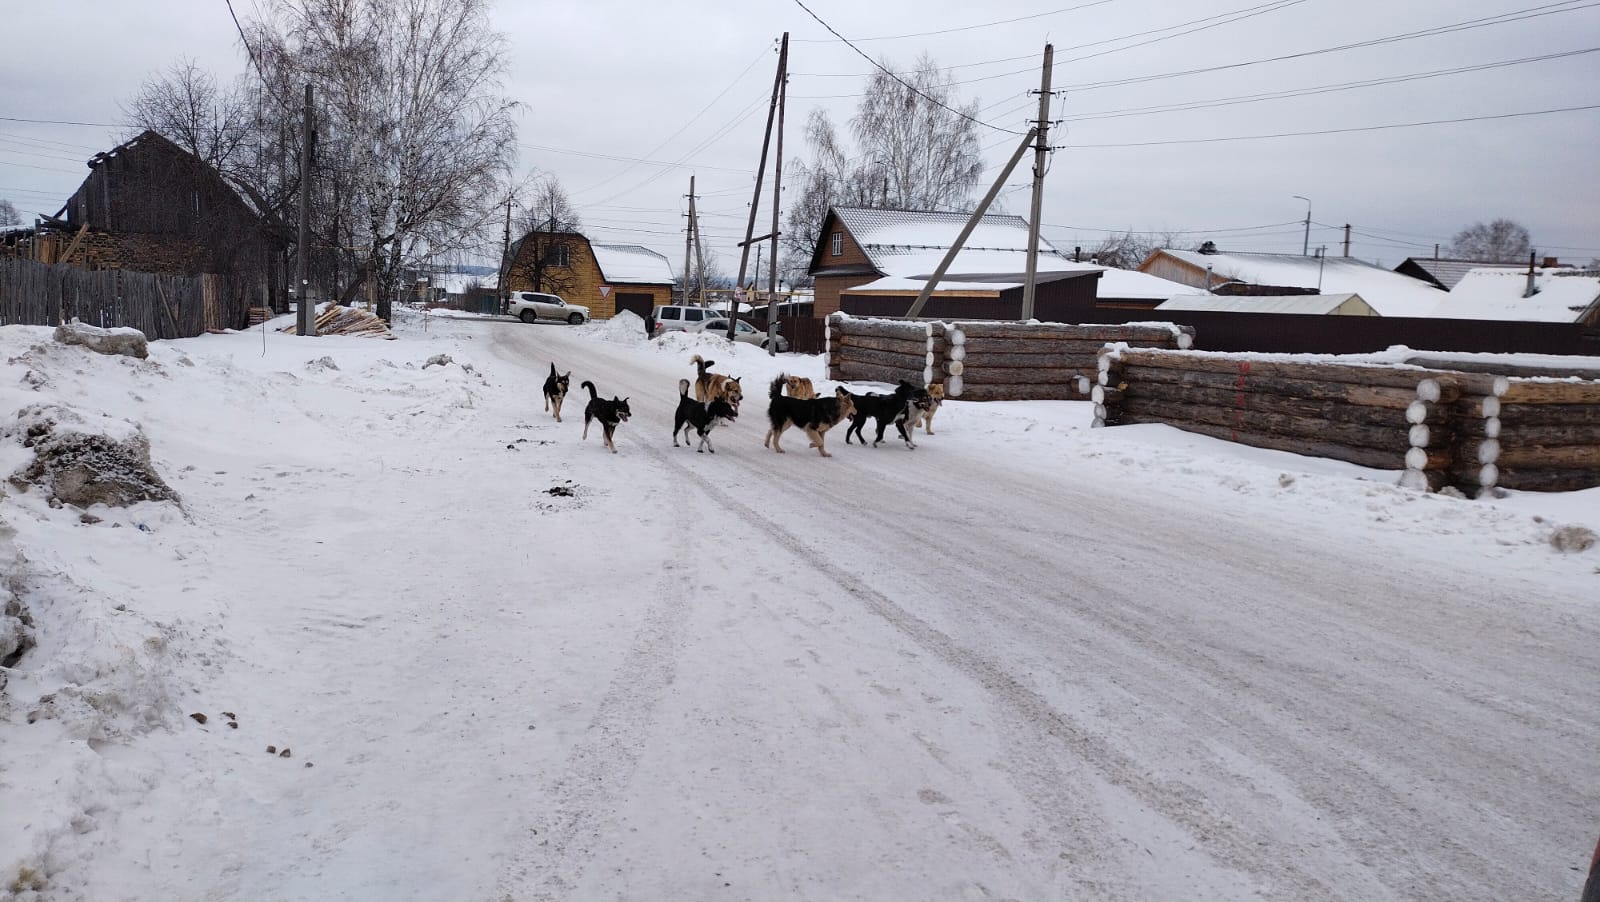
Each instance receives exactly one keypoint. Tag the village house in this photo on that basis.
(875, 262)
(1541, 295)
(606, 278)
(1386, 292)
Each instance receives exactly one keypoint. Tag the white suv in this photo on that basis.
(678, 318)
(531, 306)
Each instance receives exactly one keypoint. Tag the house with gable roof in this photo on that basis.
(1387, 292)
(875, 262)
(606, 278)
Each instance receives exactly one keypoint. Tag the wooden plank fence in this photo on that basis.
(1439, 427)
(160, 306)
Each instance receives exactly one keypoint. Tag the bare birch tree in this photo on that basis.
(8, 214)
(410, 111)
(909, 153)
(1501, 241)
(550, 229)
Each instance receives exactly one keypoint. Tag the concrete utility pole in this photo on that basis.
(1347, 239)
(972, 223)
(306, 312)
(777, 203)
(1042, 126)
(688, 243)
(1305, 248)
(505, 263)
(699, 250)
(761, 170)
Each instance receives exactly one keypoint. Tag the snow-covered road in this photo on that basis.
(1025, 661)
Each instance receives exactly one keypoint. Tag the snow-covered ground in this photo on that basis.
(1028, 660)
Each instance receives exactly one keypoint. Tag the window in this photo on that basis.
(693, 315)
(556, 255)
(668, 313)
(838, 243)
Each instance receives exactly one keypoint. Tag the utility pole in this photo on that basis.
(307, 314)
(699, 249)
(1347, 239)
(1305, 247)
(761, 170)
(505, 263)
(777, 203)
(1322, 260)
(688, 243)
(1039, 153)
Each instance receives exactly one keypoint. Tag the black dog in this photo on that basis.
(609, 413)
(703, 417)
(814, 416)
(897, 408)
(555, 390)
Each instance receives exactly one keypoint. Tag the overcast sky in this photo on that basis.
(607, 78)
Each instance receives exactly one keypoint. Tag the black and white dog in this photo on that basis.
(609, 413)
(898, 408)
(704, 417)
(555, 390)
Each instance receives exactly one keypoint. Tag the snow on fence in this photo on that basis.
(1441, 427)
(985, 361)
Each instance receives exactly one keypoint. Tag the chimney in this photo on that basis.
(1550, 263)
(1529, 292)
(1077, 254)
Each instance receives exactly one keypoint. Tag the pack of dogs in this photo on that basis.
(792, 402)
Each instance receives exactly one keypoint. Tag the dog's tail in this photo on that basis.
(777, 386)
(702, 365)
(590, 386)
(683, 387)
(553, 373)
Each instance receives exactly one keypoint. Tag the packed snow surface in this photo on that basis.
(444, 648)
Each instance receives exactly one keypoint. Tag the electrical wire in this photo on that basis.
(907, 85)
(927, 34)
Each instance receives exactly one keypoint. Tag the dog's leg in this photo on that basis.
(927, 420)
(586, 419)
(777, 434)
(816, 441)
(609, 429)
(558, 410)
(546, 403)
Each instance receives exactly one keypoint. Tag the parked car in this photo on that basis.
(677, 318)
(531, 306)
(742, 331)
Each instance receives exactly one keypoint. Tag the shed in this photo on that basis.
(1348, 304)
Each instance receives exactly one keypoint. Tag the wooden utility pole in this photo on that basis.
(972, 223)
(699, 249)
(1040, 152)
(307, 313)
(688, 242)
(505, 262)
(761, 170)
(777, 203)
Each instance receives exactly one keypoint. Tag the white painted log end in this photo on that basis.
(952, 386)
(1491, 407)
(1420, 435)
(1100, 412)
(1098, 394)
(927, 359)
(1488, 476)
(1491, 427)
(955, 368)
(1414, 479)
(1501, 385)
(955, 336)
(1416, 459)
(956, 353)
(927, 375)
(1103, 378)
(1084, 385)
(1489, 451)
(1103, 363)
(1185, 341)
(1428, 390)
(1417, 412)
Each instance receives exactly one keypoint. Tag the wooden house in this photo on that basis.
(606, 278)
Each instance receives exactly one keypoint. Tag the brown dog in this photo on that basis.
(709, 386)
(925, 417)
(800, 387)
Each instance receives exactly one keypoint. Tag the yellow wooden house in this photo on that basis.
(606, 278)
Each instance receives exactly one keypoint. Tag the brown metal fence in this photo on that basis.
(43, 294)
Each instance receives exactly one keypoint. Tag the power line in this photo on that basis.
(61, 122)
(714, 137)
(251, 52)
(1340, 131)
(926, 34)
(607, 156)
(907, 85)
(1320, 89)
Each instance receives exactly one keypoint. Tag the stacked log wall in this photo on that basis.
(1547, 433)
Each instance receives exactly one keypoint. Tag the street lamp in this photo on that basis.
(1305, 248)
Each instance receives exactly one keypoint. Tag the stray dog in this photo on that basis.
(709, 386)
(555, 390)
(704, 417)
(609, 413)
(899, 408)
(800, 387)
(815, 416)
(925, 417)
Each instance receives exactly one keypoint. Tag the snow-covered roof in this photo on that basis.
(459, 282)
(1388, 292)
(1450, 272)
(1321, 304)
(1561, 295)
(900, 284)
(910, 243)
(1126, 283)
(632, 264)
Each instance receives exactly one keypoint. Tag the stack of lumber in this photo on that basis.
(1043, 361)
(1545, 434)
(1376, 416)
(338, 320)
(878, 350)
(259, 315)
